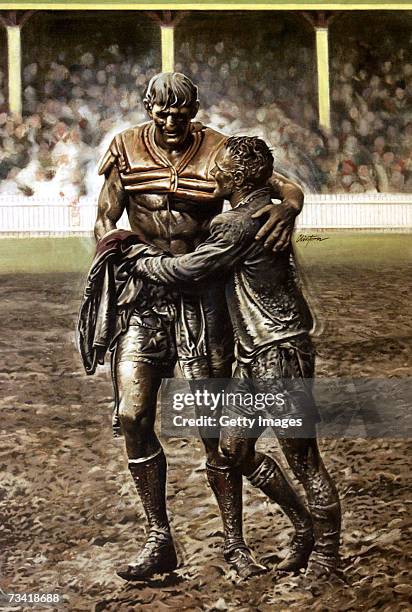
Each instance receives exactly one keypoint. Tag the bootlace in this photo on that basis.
(154, 541)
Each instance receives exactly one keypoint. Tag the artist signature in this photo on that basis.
(306, 238)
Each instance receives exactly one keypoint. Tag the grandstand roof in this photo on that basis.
(206, 5)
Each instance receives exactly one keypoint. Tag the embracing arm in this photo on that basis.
(278, 229)
(287, 191)
(219, 253)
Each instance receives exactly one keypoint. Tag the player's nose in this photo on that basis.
(170, 121)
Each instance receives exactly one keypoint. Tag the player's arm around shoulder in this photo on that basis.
(286, 190)
(277, 231)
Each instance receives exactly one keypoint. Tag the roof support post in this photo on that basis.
(320, 21)
(168, 47)
(14, 69)
(167, 20)
(13, 21)
(322, 65)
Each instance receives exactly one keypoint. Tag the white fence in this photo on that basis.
(375, 211)
(23, 216)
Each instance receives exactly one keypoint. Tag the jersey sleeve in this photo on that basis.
(110, 158)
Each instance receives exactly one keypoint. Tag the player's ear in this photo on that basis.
(148, 108)
(195, 109)
(238, 178)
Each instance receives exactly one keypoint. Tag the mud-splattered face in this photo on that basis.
(172, 125)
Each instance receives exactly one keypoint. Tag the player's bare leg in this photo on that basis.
(138, 384)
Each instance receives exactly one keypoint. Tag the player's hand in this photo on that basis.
(278, 229)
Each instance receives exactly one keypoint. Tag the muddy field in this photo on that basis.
(69, 512)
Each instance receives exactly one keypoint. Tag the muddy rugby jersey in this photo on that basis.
(144, 168)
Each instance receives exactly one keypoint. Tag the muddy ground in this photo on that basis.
(69, 512)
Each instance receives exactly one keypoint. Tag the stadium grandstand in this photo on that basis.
(330, 91)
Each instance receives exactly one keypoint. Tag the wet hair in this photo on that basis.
(170, 89)
(252, 157)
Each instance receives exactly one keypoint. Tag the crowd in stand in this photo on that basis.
(74, 104)
(70, 110)
(372, 102)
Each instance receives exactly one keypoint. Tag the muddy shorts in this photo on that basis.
(188, 331)
(285, 368)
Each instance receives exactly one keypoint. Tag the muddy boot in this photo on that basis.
(269, 478)
(243, 562)
(325, 560)
(158, 554)
(226, 484)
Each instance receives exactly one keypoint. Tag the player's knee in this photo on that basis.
(129, 412)
(133, 413)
